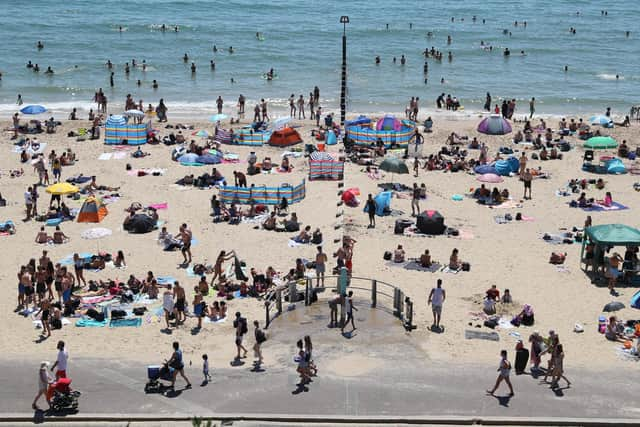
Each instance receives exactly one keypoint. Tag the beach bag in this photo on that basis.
(387, 256)
(56, 323)
(243, 326)
(557, 258)
(261, 337)
(466, 266)
(490, 323)
(118, 314)
(139, 311)
(518, 216)
(95, 315)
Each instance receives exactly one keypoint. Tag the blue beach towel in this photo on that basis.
(121, 323)
(90, 323)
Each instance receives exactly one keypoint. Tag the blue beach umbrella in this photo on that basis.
(601, 120)
(188, 158)
(208, 159)
(33, 109)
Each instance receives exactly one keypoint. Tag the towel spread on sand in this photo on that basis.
(159, 206)
(480, 335)
(121, 323)
(90, 323)
(615, 206)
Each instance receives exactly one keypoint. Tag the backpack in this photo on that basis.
(261, 337)
(243, 326)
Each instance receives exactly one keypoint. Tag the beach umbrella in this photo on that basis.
(600, 143)
(62, 188)
(495, 124)
(601, 121)
(141, 223)
(217, 117)
(394, 165)
(134, 113)
(281, 122)
(490, 177)
(33, 109)
(613, 306)
(321, 156)
(96, 233)
(188, 158)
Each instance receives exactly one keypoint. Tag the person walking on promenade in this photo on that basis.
(177, 364)
(436, 300)
(349, 310)
(504, 369)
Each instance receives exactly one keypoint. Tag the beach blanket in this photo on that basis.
(30, 150)
(121, 323)
(555, 239)
(415, 265)
(508, 204)
(120, 155)
(105, 156)
(147, 171)
(159, 206)
(236, 294)
(480, 335)
(165, 280)
(90, 323)
(95, 300)
(615, 206)
(447, 269)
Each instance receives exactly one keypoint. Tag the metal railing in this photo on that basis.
(383, 296)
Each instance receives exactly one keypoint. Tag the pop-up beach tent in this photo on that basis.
(605, 236)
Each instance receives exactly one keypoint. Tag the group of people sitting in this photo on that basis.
(58, 237)
(254, 167)
(490, 197)
(584, 202)
(455, 263)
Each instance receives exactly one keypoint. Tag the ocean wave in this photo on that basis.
(604, 76)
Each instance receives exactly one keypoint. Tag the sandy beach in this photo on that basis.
(511, 255)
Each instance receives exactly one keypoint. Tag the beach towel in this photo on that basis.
(105, 156)
(119, 155)
(415, 265)
(615, 206)
(165, 280)
(160, 206)
(480, 335)
(95, 300)
(508, 204)
(236, 294)
(121, 323)
(447, 269)
(90, 323)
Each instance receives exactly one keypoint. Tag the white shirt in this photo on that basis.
(438, 296)
(63, 356)
(27, 198)
(167, 301)
(205, 366)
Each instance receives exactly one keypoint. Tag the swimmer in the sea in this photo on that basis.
(49, 70)
(109, 64)
(213, 65)
(377, 60)
(154, 84)
(230, 49)
(215, 49)
(185, 58)
(138, 83)
(193, 68)
(40, 45)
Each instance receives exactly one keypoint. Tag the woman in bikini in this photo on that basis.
(217, 268)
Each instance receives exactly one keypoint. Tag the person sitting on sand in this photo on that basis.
(496, 196)
(299, 269)
(615, 330)
(291, 224)
(399, 254)
(518, 137)
(543, 154)
(119, 262)
(474, 144)
(316, 237)
(285, 166)
(454, 262)
(425, 259)
(304, 236)
(600, 184)
(270, 222)
(59, 237)
(504, 194)
(506, 297)
(583, 202)
(608, 200)
(266, 164)
(42, 236)
(482, 192)
(623, 149)
(489, 306)
(493, 293)
(553, 154)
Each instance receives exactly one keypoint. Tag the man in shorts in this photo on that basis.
(240, 325)
(321, 262)
(185, 237)
(28, 202)
(436, 300)
(527, 178)
(61, 361)
(180, 303)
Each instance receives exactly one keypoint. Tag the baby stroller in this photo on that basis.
(64, 399)
(156, 373)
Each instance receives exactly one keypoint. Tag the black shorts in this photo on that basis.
(186, 246)
(28, 290)
(58, 286)
(41, 288)
(180, 304)
(527, 184)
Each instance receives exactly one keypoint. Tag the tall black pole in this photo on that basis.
(343, 94)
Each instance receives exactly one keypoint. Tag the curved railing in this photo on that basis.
(383, 296)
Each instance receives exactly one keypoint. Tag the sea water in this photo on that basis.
(303, 44)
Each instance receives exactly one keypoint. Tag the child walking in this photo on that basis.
(205, 369)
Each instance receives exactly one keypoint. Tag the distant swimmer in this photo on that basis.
(139, 83)
(213, 65)
(40, 45)
(232, 81)
(442, 81)
(507, 52)
(163, 28)
(185, 58)
(109, 64)
(522, 53)
(49, 70)
(429, 34)
(387, 27)
(505, 31)
(450, 56)
(120, 29)
(176, 29)
(36, 68)
(111, 79)
(215, 49)
(453, 18)
(144, 65)
(425, 80)
(154, 84)
(410, 25)
(377, 60)
(627, 33)
(425, 68)
(617, 77)
(474, 18)
(230, 49)
(402, 60)
(193, 68)
(133, 62)
(449, 39)
(524, 24)
(515, 24)
(19, 100)
(394, 59)
(566, 68)
(126, 68)
(29, 64)
(483, 21)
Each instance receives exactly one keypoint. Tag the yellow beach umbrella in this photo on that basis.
(62, 188)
